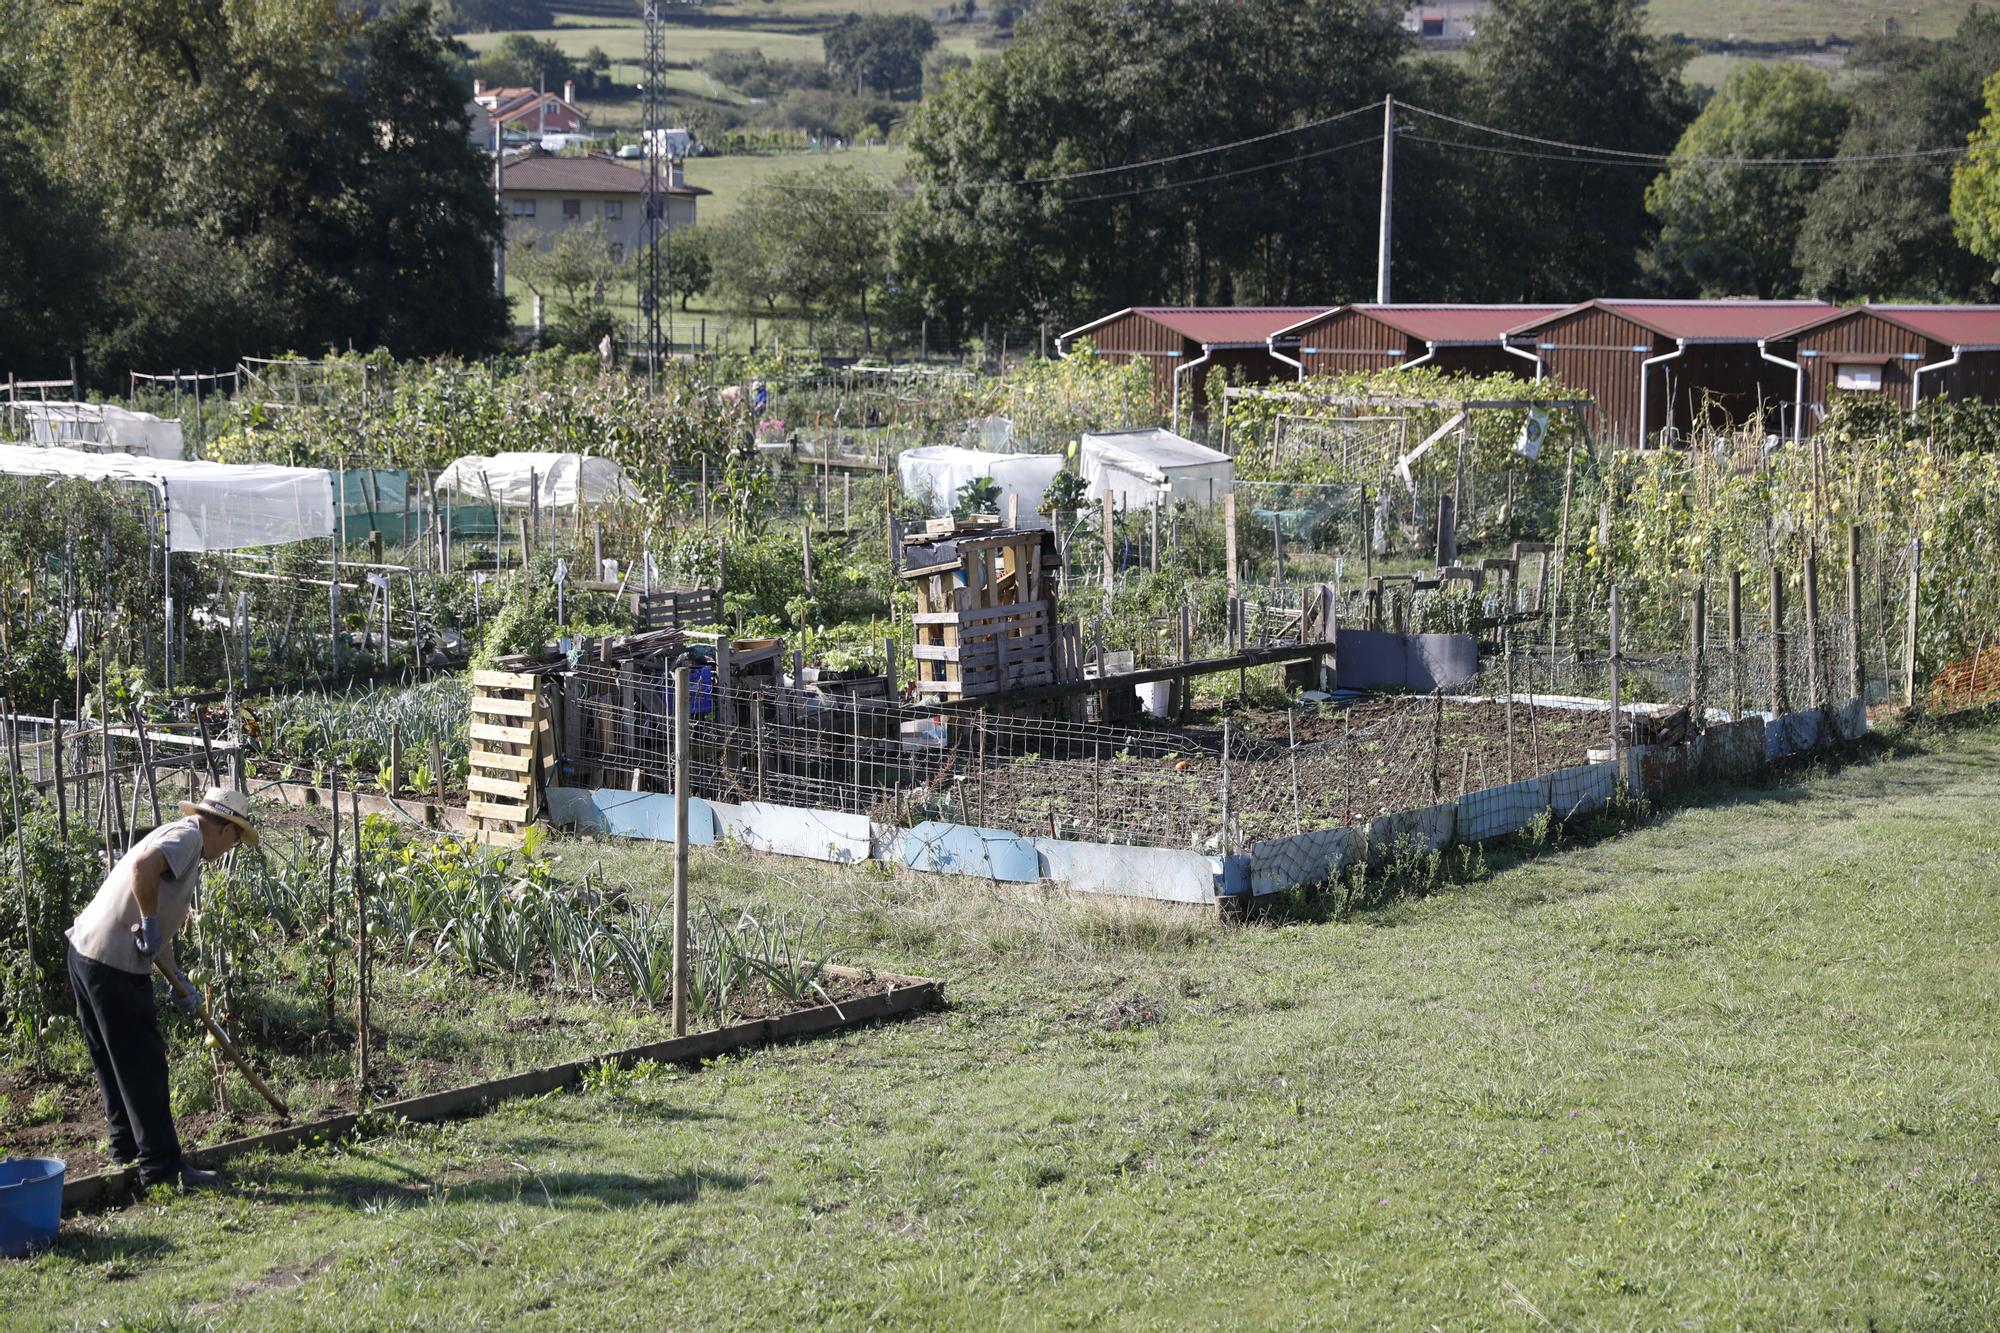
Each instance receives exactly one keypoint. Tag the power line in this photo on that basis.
(1600, 156)
(1376, 137)
(1058, 178)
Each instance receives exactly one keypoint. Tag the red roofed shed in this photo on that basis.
(1907, 352)
(1650, 365)
(1182, 343)
(1465, 339)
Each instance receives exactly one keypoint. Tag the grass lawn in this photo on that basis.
(1791, 20)
(1736, 1069)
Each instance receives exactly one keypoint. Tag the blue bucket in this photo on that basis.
(31, 1192)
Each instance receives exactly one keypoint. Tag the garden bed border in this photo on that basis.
(905, 995)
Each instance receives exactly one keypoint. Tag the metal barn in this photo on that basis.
(1463, 339)
(1652, 366)
(1182, 344)
(1906, 352)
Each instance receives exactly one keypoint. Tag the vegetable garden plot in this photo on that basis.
(480, 966)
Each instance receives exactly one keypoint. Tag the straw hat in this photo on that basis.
(223, 803)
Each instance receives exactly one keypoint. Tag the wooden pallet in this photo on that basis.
(677, 608)
(512, 759)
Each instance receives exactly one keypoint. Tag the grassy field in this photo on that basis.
(1794, 20)
(1736, 1069)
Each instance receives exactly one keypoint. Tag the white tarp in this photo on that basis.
(941, 470)
(508, 479)
(1141, 466)
(210, 506)
(101, 426)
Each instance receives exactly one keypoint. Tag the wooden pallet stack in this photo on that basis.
(512, 758)
(985, 612)
(677, 608)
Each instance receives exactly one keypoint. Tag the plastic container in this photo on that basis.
(1155, 697)
(31, 1192)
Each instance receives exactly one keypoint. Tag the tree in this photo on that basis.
(690, 263)
(493, 15)
(273, 172)
(1975, 184)
(1883, 228)
(882, 52)
(49, 250)
(528, 62)
(1025, 208)
(816, 239)
(573, 273)
(1585, 72)
(1729, 230)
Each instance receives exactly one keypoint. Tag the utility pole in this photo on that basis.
(654, 196)
(500, 204)
(1388, 194)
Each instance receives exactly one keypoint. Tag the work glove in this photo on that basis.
(186, 998)
(146, 937)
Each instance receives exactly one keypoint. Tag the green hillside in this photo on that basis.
(1799, 20)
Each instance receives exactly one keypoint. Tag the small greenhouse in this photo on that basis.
(546, 480)
(1143, 466)
(942, 471)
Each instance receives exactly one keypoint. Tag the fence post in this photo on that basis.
(1780, 698)
(1615, 654)
(1292, 748)
(1910, 629)
(1229, 541)
(1507, 664)
(1815, 668)
(1110, 526)
(1857, 678)
(1697, 655)
(1224, 836)
(681, 721)
(1735, 645)
(361, 987)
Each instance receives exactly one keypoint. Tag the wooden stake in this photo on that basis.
(681, 738)
(1857, 678)
(360, 955)
(1815, 668)
(1697, 655)
(1910, 627)
(1616, 656)
(1735, 645)
(1780, 699)
(1292, 737)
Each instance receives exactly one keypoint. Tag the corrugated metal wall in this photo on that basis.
(1865, 336)
(1351, 341)
(1481, 359)
(1134, 336)
(1729, 380)
(1598, 353)
(1975, 378)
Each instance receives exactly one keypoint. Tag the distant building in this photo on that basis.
(1444, 22)
(1457, 339)
(1181, 345)
(524, 112)
(541, 195)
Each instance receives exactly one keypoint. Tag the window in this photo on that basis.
(572, 210)
(523, 208)
(1433, 26)
(614, 210)
(1865, 378)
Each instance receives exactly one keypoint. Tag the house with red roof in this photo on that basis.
(1460, 339)
(1907, 353)
(524, 111)
(1656, 369)
(1183, 344)
(543, 194)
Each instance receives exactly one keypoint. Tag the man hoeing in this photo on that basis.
(113, 944)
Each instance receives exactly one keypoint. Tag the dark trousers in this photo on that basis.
(122, 1033)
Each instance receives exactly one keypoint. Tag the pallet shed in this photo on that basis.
(985, 618)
